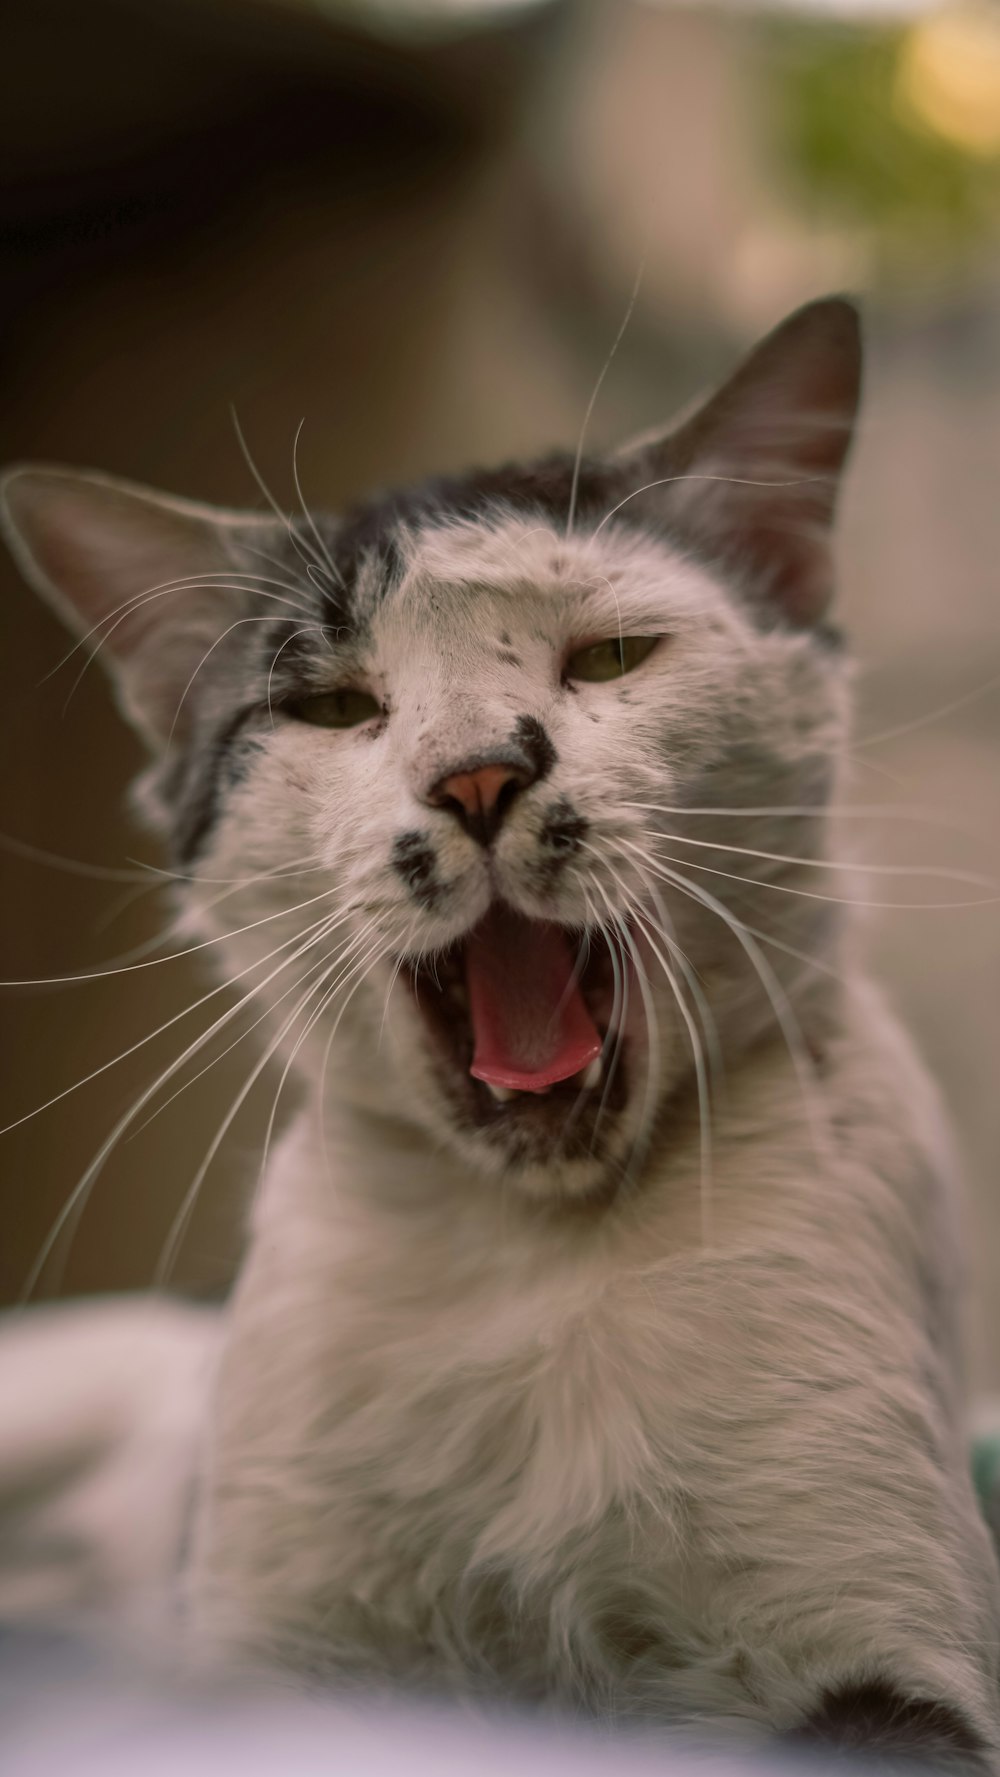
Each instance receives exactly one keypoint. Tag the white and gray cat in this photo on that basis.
(596, 1344)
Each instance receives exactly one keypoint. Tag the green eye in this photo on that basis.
(336, 709)
(610, 659)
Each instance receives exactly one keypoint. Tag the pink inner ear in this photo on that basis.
(150, 580)
(796, 572)
(770, 445)
(107, 558)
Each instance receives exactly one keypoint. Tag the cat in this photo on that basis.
(596, 1344)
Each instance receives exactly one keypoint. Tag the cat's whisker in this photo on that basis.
(360, 966)
(236, 885)
(788, 1024)
(209, 651)
(225, 580)
(647, 1117)
(110, 623)
(810, 960)
(175, 955)
(308, 862)
(394, 977)
(181, 1220)
(595, 392)
(184, 1012)
(304, 630)
(179, 1225)
(72, 1209)
(701, 1078)
(624, 941)
(22, 848)
(703, 1074)
(152, 881)
(302, 546)
(612, 1053)
(786, 888)
(943, 872)
(270, 1006)
(331, 565)
(888, 811)
(726, 480)
(614, 1038)
(950, 708)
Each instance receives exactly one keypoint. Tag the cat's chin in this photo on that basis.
(568, 1123)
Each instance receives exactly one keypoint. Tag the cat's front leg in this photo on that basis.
(880, 1720)
(845, 1557)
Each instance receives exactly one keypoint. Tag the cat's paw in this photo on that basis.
(880, 1725)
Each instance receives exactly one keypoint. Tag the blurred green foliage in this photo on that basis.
(853, 152)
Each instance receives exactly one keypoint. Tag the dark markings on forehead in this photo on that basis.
(370, 534)
(364, 546)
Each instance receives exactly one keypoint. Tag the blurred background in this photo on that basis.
(414, 225)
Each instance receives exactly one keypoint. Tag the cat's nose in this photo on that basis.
(480, 798)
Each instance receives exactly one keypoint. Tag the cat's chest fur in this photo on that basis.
(444, 1429)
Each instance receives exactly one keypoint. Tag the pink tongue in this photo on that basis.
(529, 1020)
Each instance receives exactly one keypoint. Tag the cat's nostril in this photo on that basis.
(480, 799)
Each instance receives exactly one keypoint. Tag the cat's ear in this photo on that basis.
(148, 582)
(751, 476)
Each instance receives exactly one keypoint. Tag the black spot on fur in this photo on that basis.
(533, 739)
(371, 533)
(898, 1732)
(508, 657)
(415, 861)
(562, 833)
(564, 829)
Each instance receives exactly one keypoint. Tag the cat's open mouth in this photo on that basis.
(523, 1016)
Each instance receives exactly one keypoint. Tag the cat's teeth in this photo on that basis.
(501, 1093)
(591, 1075)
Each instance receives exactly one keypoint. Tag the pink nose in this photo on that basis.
(480, 799)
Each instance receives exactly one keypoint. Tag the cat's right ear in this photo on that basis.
(146, 581)
(751, 476)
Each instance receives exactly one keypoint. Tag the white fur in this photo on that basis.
(653, 1430)
(470, 1438)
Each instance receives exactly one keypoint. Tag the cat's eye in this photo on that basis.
(345, 708)
(610, 659)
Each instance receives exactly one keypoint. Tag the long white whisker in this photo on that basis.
(780, 1005)
(302, 546)
(238, 624)
(701, 1078)
(307, 515)
(364, 964)
(785, 888)
(776, 857)
(177, 1016)
(269, 1009)
(935, 715)
(664, 480)
(156, 961)
(76, 1201)
(606, 366)
(180, 1222)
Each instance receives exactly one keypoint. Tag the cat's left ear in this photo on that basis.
(751, 477)
(148, 582)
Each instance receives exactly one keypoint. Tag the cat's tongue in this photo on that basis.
(529, 1022)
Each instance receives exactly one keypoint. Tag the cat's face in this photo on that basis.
(434, 771)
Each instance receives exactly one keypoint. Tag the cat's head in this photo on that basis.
(461, 786)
